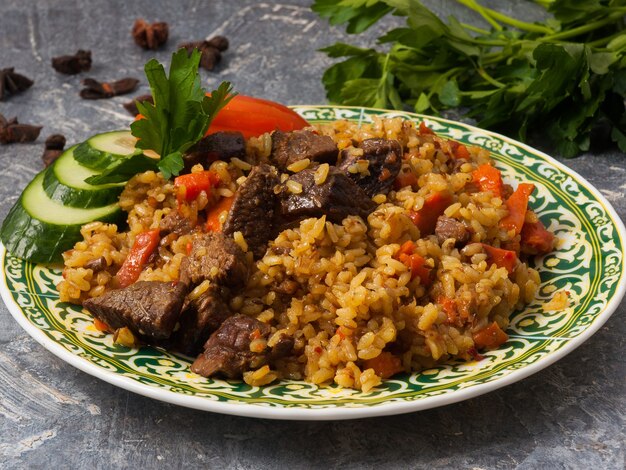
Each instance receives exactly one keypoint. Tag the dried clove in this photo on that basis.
(131, 106)
(12, 83)
(54, 148)
(95, 90)
(211, 50)
(150, 36)
(72, 64)
(12, 131)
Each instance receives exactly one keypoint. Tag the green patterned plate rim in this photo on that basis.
(588, 262)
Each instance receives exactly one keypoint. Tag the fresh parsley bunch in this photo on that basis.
(565, 78)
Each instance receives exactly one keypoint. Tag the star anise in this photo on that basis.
(54, 148)
(12, 131)
(131, 106)
(95, 90)
(12, 83)
(150, 36)
(73, 64)
(211, 50)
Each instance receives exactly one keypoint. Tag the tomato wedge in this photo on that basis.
(255, 116)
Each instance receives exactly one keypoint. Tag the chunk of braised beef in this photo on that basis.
(384, 157)
(447, 227)
(282, 348)
(252, 211)
(201, 316)
(227, 352)
(291, 147)
(217, 258)
(148, 308)
(97, 265)
(175, 223)
(337, 197)
(218, 146)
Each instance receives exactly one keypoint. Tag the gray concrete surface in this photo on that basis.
(570, 415)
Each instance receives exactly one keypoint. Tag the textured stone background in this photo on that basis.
(570, 415)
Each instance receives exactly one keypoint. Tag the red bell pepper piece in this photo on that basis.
(145, 244)
(490, 337)
(426, 218)
(536, 239)
(500, 257)
(488, 178)
(517, 203)
(189, 186)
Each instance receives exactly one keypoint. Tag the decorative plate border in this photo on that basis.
(588, 262)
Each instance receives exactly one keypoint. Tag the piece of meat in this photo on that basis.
(148, 308)
(290, 147)
(218, 146)
(96, 265)
(282, 348)
(337, 197)
(175, 223)
(385, 160)
(252, 211)
(447, 227)
(227, 352)
(217, 258)
(201, 317)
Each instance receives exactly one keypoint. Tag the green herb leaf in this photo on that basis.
(125, 169)
(171, 164)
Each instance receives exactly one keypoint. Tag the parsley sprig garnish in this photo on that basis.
(565, 78)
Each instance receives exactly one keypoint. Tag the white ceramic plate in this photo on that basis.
(588, 262)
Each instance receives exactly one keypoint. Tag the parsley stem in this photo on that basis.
(570, 33)
(471, 4)
(475, 29)
(488, 78)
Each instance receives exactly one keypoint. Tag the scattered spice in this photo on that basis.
(95, 90)
(12, 83)
(131, 106)
(73, 64)
(211, 50)
(54, 148)
(12, 131)
(150, 36)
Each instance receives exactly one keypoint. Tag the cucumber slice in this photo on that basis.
(39, 229)
(64, 182)
(104, 150)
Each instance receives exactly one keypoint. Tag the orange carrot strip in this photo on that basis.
(385, 365)
(517, 203)
(214, 213)
(426, 218)
(405, 178)
(189, 186)
(145, 244)
(488, 178)
(462, 152)
(501, 258)
(101, 326)
(490, 337)
(424, 129)
(536, 239)
(416, 264)
(449, 307)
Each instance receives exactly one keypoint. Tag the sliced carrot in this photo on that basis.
(404, 179)
(385, 365)
(517, 204)
(502, 258)
(101, 326)
(426, 218)
(189, 186)
(536, 239)
(459, 151)
(424, 129)
(449, 307)
(490, 337)
(214, 213)
(488, 178)
(145, 244)
(407, 248)
(417, 266)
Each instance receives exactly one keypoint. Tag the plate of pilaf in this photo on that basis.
(463, 261)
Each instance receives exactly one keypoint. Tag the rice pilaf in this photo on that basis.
(357, 313)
